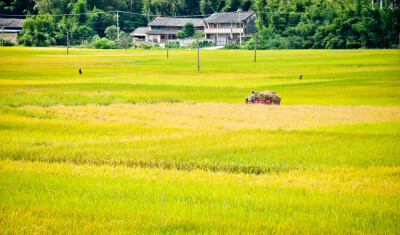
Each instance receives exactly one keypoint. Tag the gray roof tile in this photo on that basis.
(179, 22)
(229, 17)
(11, 23)
(140, 31)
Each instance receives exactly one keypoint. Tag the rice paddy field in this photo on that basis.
(139, 143)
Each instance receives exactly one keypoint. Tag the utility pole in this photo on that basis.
(255, 46)
(118, 29)
(2, 36)
(67, 42)
(167, 49)
(198, 56)
(240, 30)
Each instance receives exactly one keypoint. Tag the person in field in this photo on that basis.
(80, 71)
(250, 97)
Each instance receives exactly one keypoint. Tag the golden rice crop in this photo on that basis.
(204, 116)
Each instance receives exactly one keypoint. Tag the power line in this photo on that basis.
(85, 13)
(103, 12)
(158, 15)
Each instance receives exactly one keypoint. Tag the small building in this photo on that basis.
(9, 28)
(163, 29)
(223, 28)
(140, 33)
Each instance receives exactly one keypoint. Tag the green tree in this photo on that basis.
(63, 26)
(125, 40)
(80, 11)
(82, 33)
(17, 7)
(111, 33)
(44, 6)
(262, 20)
(206, 7)
(38, 31)
(100, 21)
(187, 31)
(147, 10)
(231, 5)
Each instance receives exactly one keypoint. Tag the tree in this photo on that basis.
(44, 6)
(205, 7)
(100, 21)
(17, 7)
(187, 31)
(83, 32)
(188, 7)
(80, 10)
(231, 5)
(38, 32)
(358, 7)
(147, 10)
(125, 40)
(111, 33)
(63, 26)
(262, 20)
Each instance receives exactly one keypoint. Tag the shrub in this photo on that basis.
(199, 34)
(125, 41)
(203, 43)
(231, 46)
(104, 43)
(145, 46)
(7, 43)
(174, 44)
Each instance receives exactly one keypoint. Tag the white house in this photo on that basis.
(223, 28)
(163, 29)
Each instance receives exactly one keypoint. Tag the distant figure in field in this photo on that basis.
(80, 71)
(250, 97)
(301, 77)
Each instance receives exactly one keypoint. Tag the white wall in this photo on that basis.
(154, 38)
(187, 42)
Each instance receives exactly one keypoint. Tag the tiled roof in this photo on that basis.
(179, 22)
(11, 23)
(229, 17)
(140, 31)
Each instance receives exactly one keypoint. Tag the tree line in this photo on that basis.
(282, 23)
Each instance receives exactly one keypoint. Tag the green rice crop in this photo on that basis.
(48, 77)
